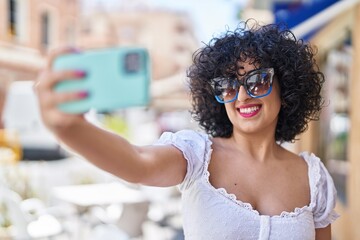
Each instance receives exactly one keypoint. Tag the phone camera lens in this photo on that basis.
(132, 62)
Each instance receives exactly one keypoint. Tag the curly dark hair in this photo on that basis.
(272, 45)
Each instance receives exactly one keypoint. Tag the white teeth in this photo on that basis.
(249, 110)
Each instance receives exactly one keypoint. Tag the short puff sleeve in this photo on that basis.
(195, 147)
(324, 213)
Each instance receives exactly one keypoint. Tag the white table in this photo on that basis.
(98, 194)
(89, 196)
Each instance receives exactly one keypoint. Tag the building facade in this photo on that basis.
(168, 36)
(28, 29)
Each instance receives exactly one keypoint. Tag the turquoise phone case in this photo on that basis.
(110, 84)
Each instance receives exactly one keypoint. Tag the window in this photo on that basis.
(12, 21)
(45, 30)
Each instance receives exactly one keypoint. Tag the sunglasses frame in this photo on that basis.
(243, 81)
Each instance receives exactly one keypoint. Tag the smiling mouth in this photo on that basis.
(249, 111)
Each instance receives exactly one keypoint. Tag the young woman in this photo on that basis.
(252, 89)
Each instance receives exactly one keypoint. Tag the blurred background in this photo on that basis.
(48, 192)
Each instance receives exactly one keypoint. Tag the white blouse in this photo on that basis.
(213, 214)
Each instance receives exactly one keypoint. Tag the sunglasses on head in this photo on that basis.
(257, 83)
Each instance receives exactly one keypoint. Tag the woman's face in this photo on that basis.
(254, 115)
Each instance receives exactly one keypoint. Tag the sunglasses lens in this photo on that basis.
(258, 84)
(225, 90)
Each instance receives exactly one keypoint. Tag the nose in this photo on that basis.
(242, 95)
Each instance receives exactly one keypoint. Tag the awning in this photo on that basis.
(323, 17)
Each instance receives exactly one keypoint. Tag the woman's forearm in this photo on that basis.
(106, 150)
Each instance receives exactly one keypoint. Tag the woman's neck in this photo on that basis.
(260, 147)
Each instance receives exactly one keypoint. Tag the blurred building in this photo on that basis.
(168, 35)
(28, 28)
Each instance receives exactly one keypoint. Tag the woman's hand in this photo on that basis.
(155, 165)
(49, 99)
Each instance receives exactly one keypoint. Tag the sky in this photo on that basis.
(210, 17)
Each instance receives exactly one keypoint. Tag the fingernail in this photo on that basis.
(83, 94)
(80, 73)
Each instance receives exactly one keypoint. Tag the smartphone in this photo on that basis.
(115, 78)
